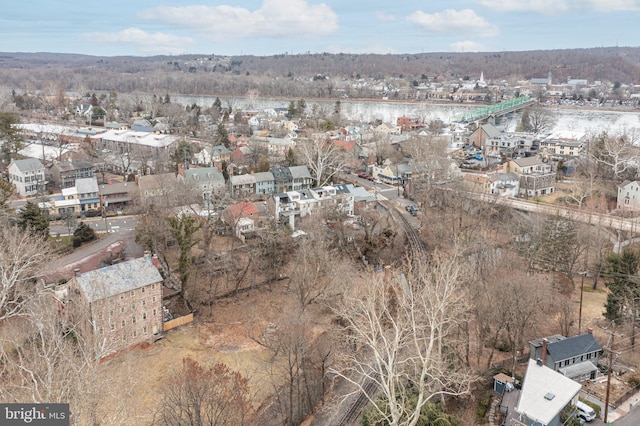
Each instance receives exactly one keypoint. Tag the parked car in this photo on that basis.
(363, 175)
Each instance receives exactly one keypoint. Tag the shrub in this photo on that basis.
(483, 405)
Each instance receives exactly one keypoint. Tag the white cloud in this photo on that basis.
(546, 7)
(613, 5)
(385, 17)
(275, 18)
(468, 46)
(450, 21)
(149, 43)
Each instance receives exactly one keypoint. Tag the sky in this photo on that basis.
(268, 27)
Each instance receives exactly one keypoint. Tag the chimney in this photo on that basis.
(147, 253)
(76, 271)
(137, 179)
(110, 182)
(590, 330)
(155, 261)
(181, 169)
(544, 351)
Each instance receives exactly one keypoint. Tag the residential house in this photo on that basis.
(536, 176)
(545, 393)
(242, 155)
(479, 137)
(386, 173)
(265, 183)
(117, 196)
(208, 182)
(65, 173)
(144, 143)
(292, 178)
(121, 304)
(80, 199)
(28, 176)
(152, 187)
(142, 125)
(512, 144)
(560, 149)
(209, 156)
(387, 129)
(504, 184)
(242, 186)
(279, 205)
(407, 124)
(574, 357)
(233, 214)
(629, 196)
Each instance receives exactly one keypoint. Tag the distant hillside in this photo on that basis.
(316, 75)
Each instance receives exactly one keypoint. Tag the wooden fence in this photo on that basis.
(177, 322)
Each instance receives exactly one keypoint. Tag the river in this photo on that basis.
(571, 122)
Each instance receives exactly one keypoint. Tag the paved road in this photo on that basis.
(116, 224)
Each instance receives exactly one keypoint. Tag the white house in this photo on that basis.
(28, 176)
(545, 393)
(629, 196)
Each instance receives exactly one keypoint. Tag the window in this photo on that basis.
(121, 296)
(111, 313)
(133, 319)
(153, 286)
(144, 329)
(144, 303)
(131, 293)
(155, 312)
(122, 323)
(154, 298)
(122, 309)
(112, 327)
(143, 288)
(144, 315)
(135, 333)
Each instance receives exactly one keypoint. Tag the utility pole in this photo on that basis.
(582, 274)
(613, 334)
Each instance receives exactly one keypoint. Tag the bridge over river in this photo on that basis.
(497, 110)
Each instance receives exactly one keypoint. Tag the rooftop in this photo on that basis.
(119, 278)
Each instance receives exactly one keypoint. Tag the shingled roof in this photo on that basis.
(119, 278)
(573, 346)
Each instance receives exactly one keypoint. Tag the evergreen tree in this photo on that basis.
(33, 219)
(289, 158)
(624, 288)
(301, 107)
(291, 110)
(222, 136)
(10, 135)
(217, 105)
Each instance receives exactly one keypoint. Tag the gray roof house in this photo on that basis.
(119, 305)
(208, 182)
(265, 182)
(575, 357)
(28, 176)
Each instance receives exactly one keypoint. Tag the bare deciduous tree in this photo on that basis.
(323, 158)
(21, 259)
(401, 330)
(205, 396)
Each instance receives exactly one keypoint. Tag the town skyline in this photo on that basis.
(269, 27)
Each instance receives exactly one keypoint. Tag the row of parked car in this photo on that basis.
(367, 176)
(413, 210)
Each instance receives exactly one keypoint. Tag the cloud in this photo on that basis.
(385, 17)
(615, 5)
(159, 43)
(275, 18)
(545, 7)
(468, 46)
(452, 21)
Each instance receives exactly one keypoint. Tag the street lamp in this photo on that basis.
(582, 274)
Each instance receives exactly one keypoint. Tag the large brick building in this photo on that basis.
(120, 305)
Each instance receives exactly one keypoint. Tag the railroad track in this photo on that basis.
(353, 413)
(412, 235)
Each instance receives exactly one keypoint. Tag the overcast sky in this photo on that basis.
(267, 27)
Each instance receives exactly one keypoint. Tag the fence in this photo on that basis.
(177, 322)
